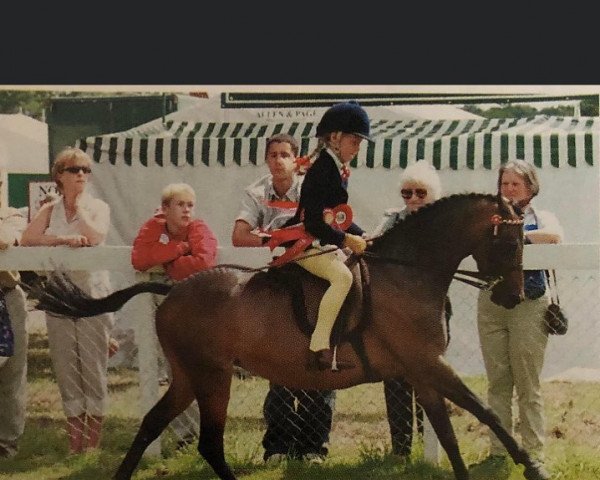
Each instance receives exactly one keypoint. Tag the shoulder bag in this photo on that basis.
(557, 321)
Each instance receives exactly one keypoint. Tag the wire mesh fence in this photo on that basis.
(363, 419)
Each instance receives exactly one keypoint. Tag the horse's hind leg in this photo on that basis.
(175, 400)
(212, 388)
(448, 383)
(434, 406)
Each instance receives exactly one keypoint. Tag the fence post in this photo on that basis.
(145, 337)
(431, 446)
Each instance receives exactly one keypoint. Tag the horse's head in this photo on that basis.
(502, 254)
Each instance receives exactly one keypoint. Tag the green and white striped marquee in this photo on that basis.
(547, 141)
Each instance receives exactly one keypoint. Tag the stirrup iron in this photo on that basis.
(334, 367)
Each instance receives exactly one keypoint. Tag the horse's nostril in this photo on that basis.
(519, 298)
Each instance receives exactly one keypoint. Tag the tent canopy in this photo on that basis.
(23, 144)
(448, 144)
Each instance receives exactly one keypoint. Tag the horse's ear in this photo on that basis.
(508, 208)
(503, 205)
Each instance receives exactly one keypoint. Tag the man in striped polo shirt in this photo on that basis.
(298, 421)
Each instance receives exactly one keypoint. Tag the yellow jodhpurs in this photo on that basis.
(330, 267)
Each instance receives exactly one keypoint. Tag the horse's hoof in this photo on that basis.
(536, 471)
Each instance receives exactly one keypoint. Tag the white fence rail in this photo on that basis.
(574, 256)
(577, 257)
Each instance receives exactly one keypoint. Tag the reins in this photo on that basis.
(478, 280)
(475, 279)
(244, 268)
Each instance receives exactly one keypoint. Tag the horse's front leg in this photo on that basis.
(434, 406)
(443, 378)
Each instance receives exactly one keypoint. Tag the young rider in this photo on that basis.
(340, 131)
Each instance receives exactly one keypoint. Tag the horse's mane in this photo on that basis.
(427, 211)
(435, 218)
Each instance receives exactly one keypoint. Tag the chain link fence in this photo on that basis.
(370, 418)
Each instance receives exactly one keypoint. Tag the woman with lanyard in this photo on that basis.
(513, 342)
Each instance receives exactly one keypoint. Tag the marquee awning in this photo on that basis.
(547, 141)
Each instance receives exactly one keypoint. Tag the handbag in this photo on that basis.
(557, 321)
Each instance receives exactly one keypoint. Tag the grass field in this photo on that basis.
(359, 446)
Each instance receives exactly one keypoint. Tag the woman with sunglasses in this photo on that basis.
(79, 349)
(419, 186)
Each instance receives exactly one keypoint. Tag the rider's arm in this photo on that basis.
(354, 229)
(316, 192)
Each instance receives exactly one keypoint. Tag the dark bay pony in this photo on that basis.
(218, 317)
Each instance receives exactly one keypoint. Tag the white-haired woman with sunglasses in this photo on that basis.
(78, 349)
(419, 185)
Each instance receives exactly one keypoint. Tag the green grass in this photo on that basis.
(359, 444)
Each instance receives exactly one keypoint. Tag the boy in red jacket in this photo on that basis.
(173, 238)
(183, 245)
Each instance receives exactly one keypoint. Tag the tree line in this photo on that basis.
(34, 103)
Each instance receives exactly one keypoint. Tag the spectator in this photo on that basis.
(298, 421)
(78, 349)
(183, 245)
(340, 132)
(513, 342)
(419, 186)
(13, 366)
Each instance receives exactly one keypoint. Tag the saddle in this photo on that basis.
(306, 291)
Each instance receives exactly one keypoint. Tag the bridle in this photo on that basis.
(497, 222)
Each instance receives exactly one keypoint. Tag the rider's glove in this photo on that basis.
(355, 243)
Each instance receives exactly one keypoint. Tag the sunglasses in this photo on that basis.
(408, 193)
(76, 170)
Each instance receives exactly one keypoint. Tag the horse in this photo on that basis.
(223, 317)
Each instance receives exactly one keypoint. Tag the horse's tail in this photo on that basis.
(60, 296)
